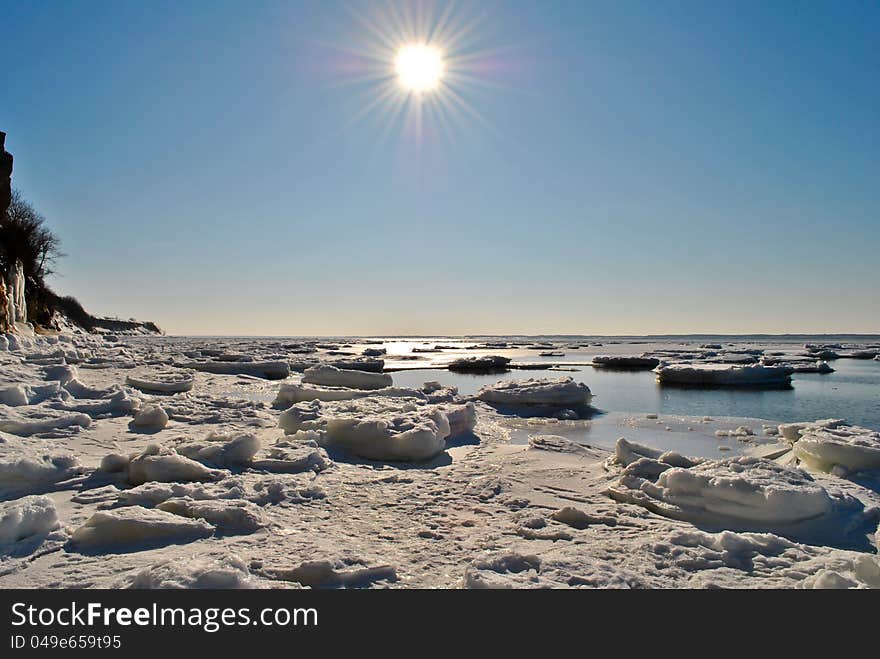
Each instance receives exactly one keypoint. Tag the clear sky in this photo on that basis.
(621, 167)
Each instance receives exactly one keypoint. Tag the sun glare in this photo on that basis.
(419, 67)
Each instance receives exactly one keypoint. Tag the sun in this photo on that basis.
(419, 67)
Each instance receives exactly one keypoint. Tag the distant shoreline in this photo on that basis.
(566, 337)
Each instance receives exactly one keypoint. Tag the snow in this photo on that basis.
(228, 572)
(559, 393)
(629, 362)
(724, 375)
(134, 528)
(330, 376)
(27, 517)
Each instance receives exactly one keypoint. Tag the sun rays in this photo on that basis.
(416, 65)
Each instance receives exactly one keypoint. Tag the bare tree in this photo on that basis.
(25, 237)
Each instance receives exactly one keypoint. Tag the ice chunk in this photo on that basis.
(269, 370)
(157, 464)
(64, 373)
(196, 572)
(485, 364)
(27, 517)
(228, 515)
(290, 393)
(221, 450)
(43, 423)
(377, 428)
(515, 570)
(562, 392)
(626, 453)
(829, 449)
(742, 493)
(462, 418)
(161, 381)
(27, 468)
(151, 416)
(326, 573)
(134, 528)
(724, 375)
(792, 431)
(404, 437)
(293, 457)
(330, 376)
(14, 395)
(80, 390)
(117, 403)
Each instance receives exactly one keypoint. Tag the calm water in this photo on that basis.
(851, 392)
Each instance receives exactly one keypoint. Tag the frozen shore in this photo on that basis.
(174, 463)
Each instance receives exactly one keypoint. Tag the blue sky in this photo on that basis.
(636, 167)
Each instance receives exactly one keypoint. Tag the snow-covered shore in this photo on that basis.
(148, 463)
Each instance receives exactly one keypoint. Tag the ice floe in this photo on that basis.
(133, 528)
(485, 364)
(627, 362)
(723, 375)
(562, 392)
